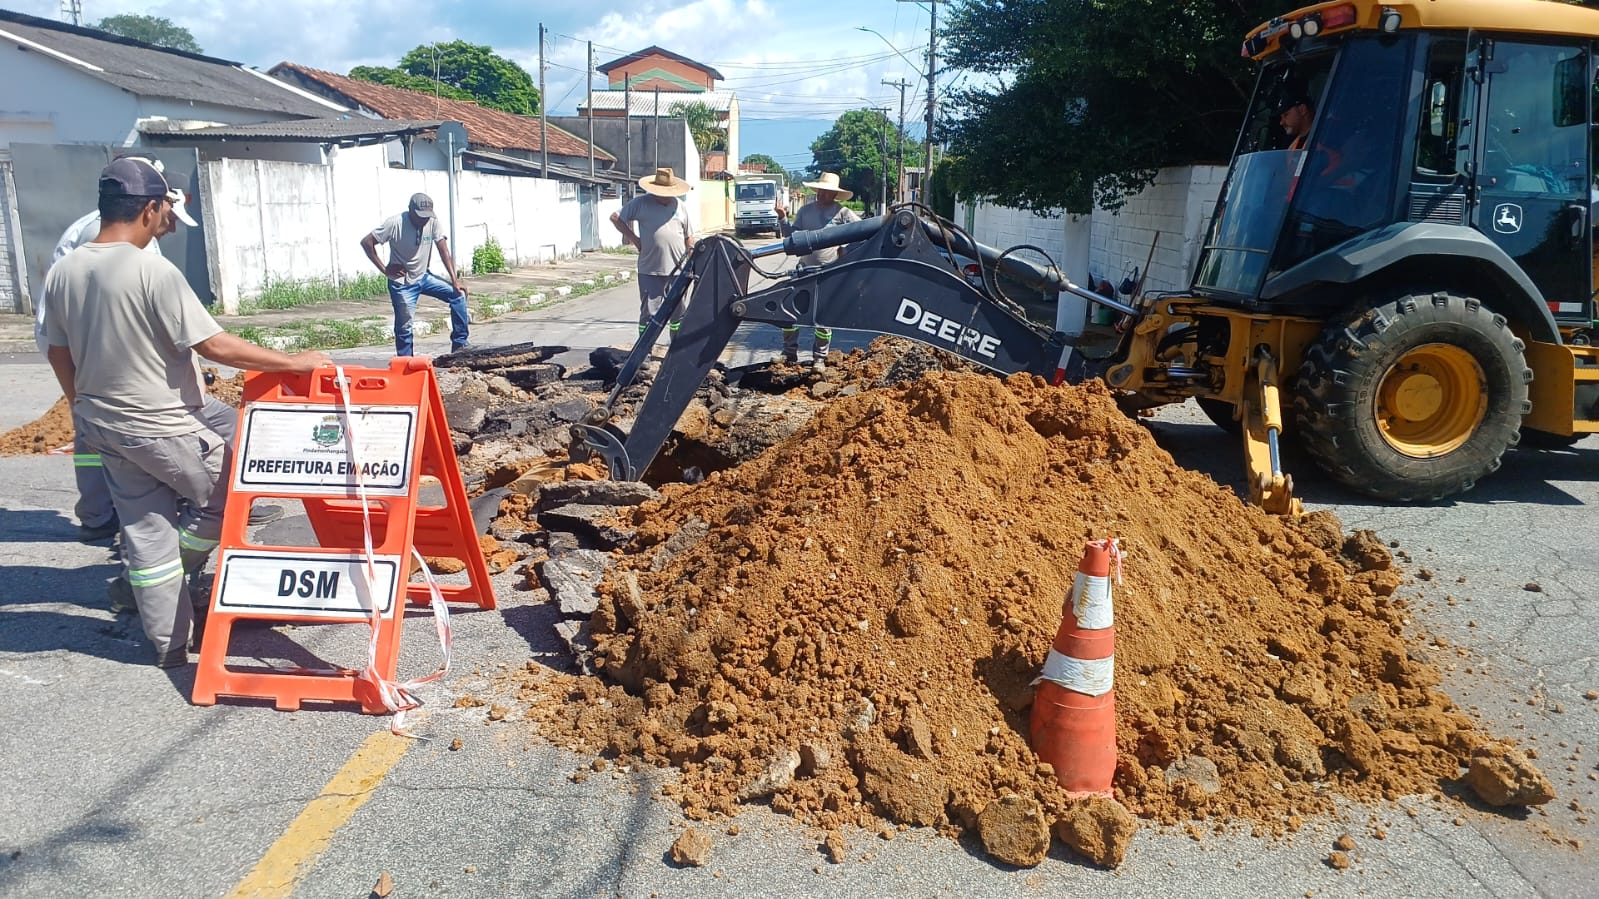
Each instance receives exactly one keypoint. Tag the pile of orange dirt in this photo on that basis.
(856, 637)
(49, 431)
(53, 429)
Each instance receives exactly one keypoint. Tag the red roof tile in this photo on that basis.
(485, 128)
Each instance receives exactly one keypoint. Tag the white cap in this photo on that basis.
(178, 199)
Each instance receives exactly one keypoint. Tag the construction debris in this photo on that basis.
(875, 594)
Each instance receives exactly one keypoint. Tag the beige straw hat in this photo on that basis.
(664, 184)
(829, 181)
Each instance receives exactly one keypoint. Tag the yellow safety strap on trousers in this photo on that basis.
(821, 333)
(86, 460)
(190, 541)
(156, 574)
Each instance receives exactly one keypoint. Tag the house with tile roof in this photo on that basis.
(647, 84)
(488, 130)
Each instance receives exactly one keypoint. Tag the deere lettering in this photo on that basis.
(326, 467)
(948, 330)
(308, 584)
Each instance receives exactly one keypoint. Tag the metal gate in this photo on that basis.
(13, 289)
(55, 184)
(588, 198)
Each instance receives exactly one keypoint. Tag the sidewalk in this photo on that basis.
(487, 293)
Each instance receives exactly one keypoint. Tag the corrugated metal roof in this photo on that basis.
(485, 128)
(149, 71)
(644, 101)
(531, 166)
(328, 130)
(657, 51)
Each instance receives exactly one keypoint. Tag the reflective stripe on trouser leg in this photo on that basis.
(824, 339)
(93, 507)
(791, 339)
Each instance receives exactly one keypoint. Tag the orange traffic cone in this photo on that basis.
(1074, 710)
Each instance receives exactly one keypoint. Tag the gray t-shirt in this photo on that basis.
(129, 319)
(663, 231)
(409, 245)
(814, 216)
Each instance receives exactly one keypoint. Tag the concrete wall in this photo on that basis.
(1176, 207)
(270, 221)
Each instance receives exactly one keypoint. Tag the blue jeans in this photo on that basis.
(404, 297)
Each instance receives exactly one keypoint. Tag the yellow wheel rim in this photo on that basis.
(1431, 400)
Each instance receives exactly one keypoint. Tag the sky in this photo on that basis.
(795, 66)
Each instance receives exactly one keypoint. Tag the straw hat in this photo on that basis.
(829, 181)
(664, 184)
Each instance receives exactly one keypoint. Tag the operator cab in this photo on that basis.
(1463, 129)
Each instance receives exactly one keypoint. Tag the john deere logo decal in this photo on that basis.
(1507, 218)
(328, 431)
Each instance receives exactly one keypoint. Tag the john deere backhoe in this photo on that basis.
(1406, 286)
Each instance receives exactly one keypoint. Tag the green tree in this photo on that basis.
(1094, 95)
(855, 148)
(485, 76)
(762, 159)
(704, 124)
(152, 30)
(403, 79)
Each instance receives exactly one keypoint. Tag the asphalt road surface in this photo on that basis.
(117, 785)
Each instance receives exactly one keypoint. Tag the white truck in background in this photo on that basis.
(756, 197)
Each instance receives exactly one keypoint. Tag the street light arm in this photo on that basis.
(896, 50)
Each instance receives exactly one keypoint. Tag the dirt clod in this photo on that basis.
(1097, 829)
(1337, 860)
(1014, 830)
(1502, 775)
(1345, 843)
(692, 848)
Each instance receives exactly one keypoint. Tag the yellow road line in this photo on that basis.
(308, 835)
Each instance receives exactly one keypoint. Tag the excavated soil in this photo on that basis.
(855, 638)
(53, 429)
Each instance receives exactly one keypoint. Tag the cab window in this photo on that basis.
(1440, 112)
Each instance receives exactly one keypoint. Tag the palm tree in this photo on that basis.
(704, 124)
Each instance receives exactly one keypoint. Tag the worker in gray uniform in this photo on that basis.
(125, 335)
(823, 212)
(97, 518)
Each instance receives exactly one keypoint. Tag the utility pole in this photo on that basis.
(882, 159)
(932, 79)
(899, 149)
(657, 127)
(588, 75)
(72, 11)
(544, 108)
(627, 119)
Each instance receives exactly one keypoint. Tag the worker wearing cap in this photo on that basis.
(125, 334)
(1295, 113)
(663, 238)
(411, 236)
(823, 212)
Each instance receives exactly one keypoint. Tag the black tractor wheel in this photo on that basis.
(1220, 414)
(1413, 399)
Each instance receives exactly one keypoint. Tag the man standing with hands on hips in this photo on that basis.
(125, 335)
(411, 236)
(662, 240)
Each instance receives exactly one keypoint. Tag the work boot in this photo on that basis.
(173, 658)
(266, 513)
(819, 365)
(95, 534)
(120, 592)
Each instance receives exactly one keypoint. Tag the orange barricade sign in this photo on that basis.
(328, 444)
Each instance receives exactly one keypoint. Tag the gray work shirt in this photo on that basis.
(663, 232)
(409, 245)
(130, 322)
(814, 216)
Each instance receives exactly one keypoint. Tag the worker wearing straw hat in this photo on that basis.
(663, 238)
(825, 211)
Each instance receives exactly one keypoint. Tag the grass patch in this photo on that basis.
(321, 333)
(623, 250)
(294, 294)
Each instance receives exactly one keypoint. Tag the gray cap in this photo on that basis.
(422, 206)
(133, 177)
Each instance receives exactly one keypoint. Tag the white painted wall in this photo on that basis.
(269, 221)
(609, 237)
(1176, 207)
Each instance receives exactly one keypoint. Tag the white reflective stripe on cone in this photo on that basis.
(1091, 602)
(1090, 677)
